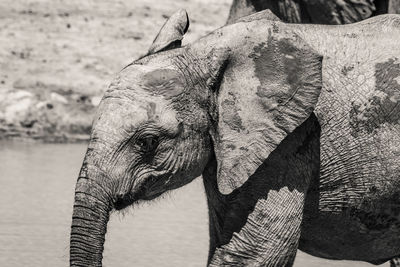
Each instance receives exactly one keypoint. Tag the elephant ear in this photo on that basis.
(171, 33)
(263, 96)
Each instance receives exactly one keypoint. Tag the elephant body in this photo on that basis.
(359, 114)
(351, 207)
(294, 128)
(345, 189)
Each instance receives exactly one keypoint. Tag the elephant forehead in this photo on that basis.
(116, 114)
(165, 82)
(149, 80)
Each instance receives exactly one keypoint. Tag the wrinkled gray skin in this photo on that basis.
(295, 129)
(316, 11)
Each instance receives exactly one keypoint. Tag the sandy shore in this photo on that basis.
(57, 57)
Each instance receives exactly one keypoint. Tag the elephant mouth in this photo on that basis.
(150, 188)
(123, 202)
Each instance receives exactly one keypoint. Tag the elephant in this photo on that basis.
(316, 11)
(294, 129)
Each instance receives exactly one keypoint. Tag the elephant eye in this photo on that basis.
(147, 144)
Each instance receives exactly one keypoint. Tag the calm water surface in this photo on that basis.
(36, 194)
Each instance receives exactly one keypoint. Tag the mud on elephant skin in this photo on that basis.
(254, 107)
(316, 11)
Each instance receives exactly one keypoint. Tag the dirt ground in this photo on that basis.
(58, 56)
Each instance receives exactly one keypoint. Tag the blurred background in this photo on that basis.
(56, 59)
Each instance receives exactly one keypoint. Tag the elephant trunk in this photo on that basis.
(89, 222)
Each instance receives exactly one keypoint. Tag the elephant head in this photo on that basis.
(235, 94)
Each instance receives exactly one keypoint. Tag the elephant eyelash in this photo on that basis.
(147, 144)
(147, 137)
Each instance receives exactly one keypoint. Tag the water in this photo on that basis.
(36, 195)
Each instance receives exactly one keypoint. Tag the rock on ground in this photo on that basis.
(57, 57)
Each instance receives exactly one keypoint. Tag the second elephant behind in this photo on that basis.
(316, 11)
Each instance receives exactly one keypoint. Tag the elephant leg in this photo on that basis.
(217, 208)
(394, 7)
(259, 223)
(395, 262)
(228, 215)
(270, 235)
(290, 262)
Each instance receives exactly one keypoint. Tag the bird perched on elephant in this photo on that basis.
(316, 11)
(294, 128)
